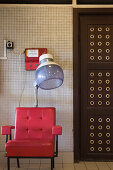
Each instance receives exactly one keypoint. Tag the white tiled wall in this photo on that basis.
(36, 27)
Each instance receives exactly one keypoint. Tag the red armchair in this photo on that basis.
(34, 136)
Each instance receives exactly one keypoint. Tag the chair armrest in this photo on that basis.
(57, 130)
(6, 130)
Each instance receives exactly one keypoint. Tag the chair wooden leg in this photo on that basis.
(52, 163)
(8, 163)
(18, 163)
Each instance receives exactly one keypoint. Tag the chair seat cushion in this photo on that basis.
(29, 148)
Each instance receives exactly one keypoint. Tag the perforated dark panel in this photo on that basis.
(99, 133)
(100, 43)
(100, 92)
(96, 87)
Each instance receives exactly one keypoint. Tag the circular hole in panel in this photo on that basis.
(108, 135)
(107, 29)
(99, 149)
(107, 74)
(99, 81)
(92, 74)
(91, 119)
(92, 50)
(99, 29)
(99, 50)
(108, 120)
(92, 135)
(99, 103)
(108, 149)
(99, 36)
(107, 50)
(92, 149)
(107, 96)
(100, 119)
(107, 43)
(92, 142)
(107, 81)
(107, 88)
(107, 103)
(107, 142)
(92, 103)
(99, 88)
(99, 43)
(92, 88)
(100, 135)
(92, 81)
(92, 57)
(92, 29)
(92, 127)
(100, 74)
(107, 127)
(100, 127)
(99, 142)
(92, 96)
(107, 57)
(91, 36)
(92, 43)
(99, 57)
(107, 36)
(99, 96)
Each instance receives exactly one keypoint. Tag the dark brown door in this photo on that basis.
(96, 58)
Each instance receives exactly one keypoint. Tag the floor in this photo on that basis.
(63, 162)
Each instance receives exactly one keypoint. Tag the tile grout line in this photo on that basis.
(108, 165)
(40, 165)
(85, 165)
(74, 167)
(62, 162)
(97, 165)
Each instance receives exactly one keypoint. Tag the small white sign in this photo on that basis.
(33, 53)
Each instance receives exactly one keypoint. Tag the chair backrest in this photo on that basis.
(34, 123)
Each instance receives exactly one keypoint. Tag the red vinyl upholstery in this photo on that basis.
(34, 123)
(57, 130)
(35, 131)
(6, 130)
(29, 148)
